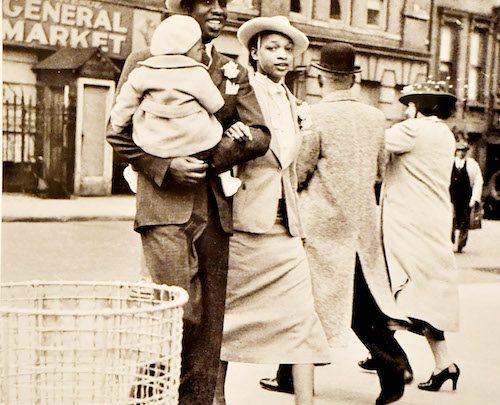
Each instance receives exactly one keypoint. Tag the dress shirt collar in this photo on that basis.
(208, 49)
(459, 163)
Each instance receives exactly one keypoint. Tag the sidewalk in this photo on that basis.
(28, 208)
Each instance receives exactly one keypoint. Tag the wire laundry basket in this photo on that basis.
(79, 343)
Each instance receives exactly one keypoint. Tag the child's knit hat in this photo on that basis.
(175, 35)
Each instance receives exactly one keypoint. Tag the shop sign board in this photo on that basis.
(68, 23)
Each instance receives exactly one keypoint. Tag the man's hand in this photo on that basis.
(239, 132)
(187, 170)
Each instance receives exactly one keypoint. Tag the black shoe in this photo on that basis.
(272, 384)
(436, 381)
(368, 364)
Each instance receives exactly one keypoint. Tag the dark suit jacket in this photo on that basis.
(161, 201)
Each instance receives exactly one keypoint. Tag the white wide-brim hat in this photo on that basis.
(175, 35)
(279, 24)
(174, 6)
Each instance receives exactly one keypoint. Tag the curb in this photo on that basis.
(71, 218)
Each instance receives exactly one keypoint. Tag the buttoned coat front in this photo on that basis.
(339, 163)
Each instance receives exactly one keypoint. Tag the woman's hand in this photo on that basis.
(239, 132)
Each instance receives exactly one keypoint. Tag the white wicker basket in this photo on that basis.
(75, 342)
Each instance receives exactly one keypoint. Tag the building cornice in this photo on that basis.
(363, 40)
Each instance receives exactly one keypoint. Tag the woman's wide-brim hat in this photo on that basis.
(337, 57)
(461, 145)
(279, 24)
(430, 91)
(174, 6)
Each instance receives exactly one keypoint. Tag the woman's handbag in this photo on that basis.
(476, 215)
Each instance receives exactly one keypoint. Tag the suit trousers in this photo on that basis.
(461, 222)
(194, 256)
(370, 325)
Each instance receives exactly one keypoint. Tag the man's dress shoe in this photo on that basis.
(272, 384)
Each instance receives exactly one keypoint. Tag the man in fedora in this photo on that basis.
(182, 215)
(465, 190)
(338, 166)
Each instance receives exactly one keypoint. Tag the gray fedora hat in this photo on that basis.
(337, 57)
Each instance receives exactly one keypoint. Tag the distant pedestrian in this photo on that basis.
(465, 189)
(416, 220)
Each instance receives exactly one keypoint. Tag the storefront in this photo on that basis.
(34, 30)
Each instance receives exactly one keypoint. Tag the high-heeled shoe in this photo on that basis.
(436, 381)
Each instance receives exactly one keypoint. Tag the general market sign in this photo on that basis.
(68, 23)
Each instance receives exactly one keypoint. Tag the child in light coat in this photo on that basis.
(171, 100)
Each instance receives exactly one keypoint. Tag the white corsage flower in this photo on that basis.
(304, 113)
(231, 70)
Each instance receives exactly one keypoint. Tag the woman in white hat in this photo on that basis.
(417, 218)
(270, 315)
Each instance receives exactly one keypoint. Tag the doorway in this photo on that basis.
(93, 155)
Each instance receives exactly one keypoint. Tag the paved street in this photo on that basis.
(110, 250)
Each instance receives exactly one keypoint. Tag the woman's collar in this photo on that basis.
(272, 86)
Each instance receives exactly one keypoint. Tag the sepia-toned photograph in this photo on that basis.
(240, 202)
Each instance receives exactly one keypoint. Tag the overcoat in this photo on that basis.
(340, 161)
(417, 219)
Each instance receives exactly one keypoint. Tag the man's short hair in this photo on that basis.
(337, 77)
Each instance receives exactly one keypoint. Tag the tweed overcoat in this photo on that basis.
(340, 161)
(159, 203)
(417, 219)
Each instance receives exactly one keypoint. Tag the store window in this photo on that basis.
(477, 61)
(375, 12)
(301, 9)
(335, 10)
(296, 6)
(448, 53)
